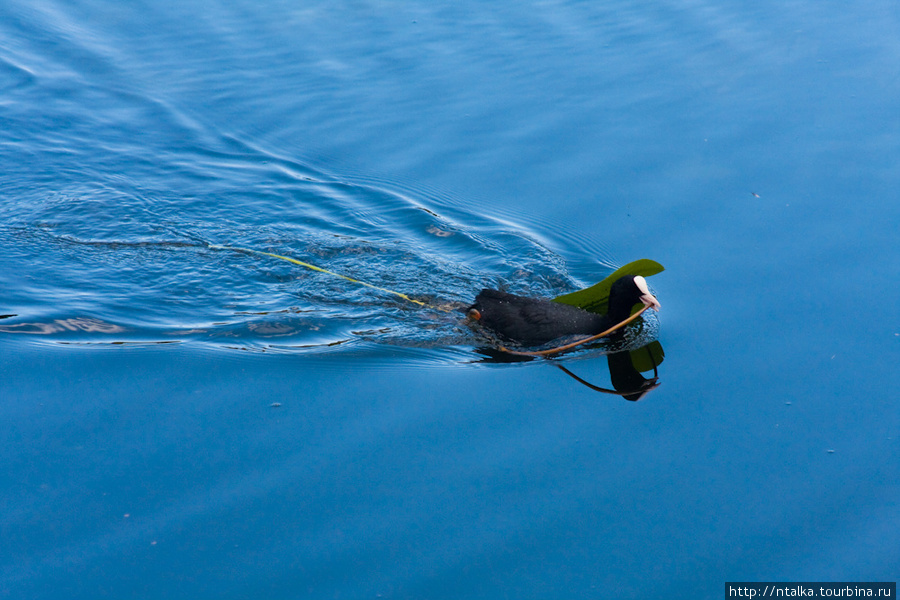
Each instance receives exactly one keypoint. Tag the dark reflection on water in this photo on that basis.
(625, 368)
(625, 375)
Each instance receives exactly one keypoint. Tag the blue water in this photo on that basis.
(182, 421)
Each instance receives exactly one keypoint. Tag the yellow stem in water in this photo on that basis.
(321, 270)
(420, 303)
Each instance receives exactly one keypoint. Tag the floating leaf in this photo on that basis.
(596, 298)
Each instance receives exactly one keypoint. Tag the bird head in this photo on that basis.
(646, 297)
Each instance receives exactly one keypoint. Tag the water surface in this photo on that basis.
(188, 422)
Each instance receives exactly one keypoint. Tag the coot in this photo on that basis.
(536, 321)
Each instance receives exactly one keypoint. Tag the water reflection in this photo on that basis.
(625, 372)
(626, 368)
(86, 324)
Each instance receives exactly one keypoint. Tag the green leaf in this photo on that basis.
(596, 298)
(647, 358)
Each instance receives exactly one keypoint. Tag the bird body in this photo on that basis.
(537, 321)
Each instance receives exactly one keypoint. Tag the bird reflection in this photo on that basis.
(625, 369)
(625, 372)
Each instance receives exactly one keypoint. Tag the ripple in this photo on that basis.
(123, 241)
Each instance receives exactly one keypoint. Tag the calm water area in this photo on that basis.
(184, 420)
